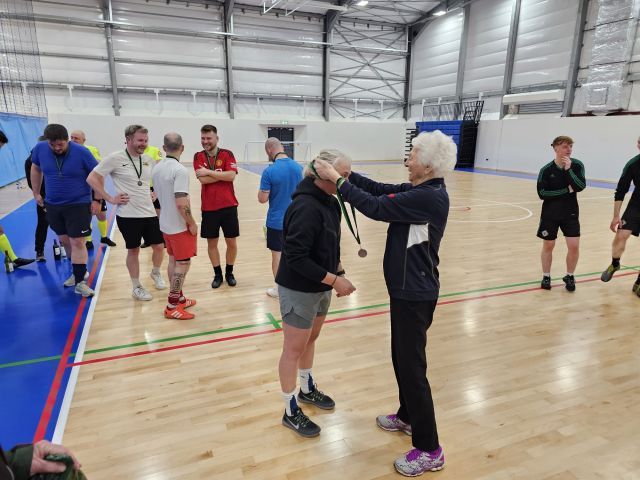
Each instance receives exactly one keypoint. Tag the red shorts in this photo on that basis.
(181, 245)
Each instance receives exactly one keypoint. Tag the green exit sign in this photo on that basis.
(284, 122)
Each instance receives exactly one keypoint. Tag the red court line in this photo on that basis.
(334, 320)
(45, 417)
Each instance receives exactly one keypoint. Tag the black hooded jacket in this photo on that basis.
(311, 239)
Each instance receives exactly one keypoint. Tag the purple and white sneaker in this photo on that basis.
(391, 423)
(415, 462)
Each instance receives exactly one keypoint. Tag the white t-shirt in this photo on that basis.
(170, 177)
(124, 173)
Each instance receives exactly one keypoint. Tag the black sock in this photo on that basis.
(79, 269)
(615, 262)
(217, 271)
(228, 269)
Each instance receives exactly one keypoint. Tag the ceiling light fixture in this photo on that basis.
(439, 13)
(362, 3)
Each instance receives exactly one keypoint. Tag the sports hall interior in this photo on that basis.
(527, 383)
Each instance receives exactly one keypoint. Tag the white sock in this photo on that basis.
(546, 274)
(136, 282)
(155, 271)
(570, 274)
(306, 380)
(290, 403)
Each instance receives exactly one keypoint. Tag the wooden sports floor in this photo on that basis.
(528, 384)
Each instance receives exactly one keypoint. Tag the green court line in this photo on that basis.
(275, 323)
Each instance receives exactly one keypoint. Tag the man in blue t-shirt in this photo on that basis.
(277, 184)
(68, 199)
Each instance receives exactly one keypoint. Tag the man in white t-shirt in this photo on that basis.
(171, 183)
(130, 170)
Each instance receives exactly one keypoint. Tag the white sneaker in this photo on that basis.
(71, 281)
(139, 293)
(273, 292)
(158, 281)
(83, 289)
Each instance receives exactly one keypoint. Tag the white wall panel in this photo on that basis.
(287, 28)
(249, 108)
(487, 45)
(82, 9)
(545, 38)
(603, 144)
(68, 70)
(170, 48)
(139, 75)
(170, 15)
(71, 39)
(277, 83)
(435, 58)
(253, 55)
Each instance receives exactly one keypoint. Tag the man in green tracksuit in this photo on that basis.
(30, 461)
(558, 183)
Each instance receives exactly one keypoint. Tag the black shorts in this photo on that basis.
(274, 239)
(227, 218)
(135, 229)
(631, 219)
(549, 224)
(73, 220)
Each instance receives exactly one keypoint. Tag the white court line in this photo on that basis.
(580, 199)
(494, 203)
(73, 377)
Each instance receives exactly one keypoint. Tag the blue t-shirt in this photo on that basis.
(65, 181)
(281, 180)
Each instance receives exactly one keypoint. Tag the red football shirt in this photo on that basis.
(217, 195)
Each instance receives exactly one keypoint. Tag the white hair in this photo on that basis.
(332, 157)
(437, 150)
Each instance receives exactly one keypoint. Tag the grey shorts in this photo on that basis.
(299, 309)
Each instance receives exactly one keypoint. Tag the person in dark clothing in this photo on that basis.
(5, 244)
(417, 215)
(629, 224)
(28, 461)
(559, 182)
(309, 269)
(43, 224)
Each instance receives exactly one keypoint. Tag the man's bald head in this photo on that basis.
(78, 136)
(273, 146)
(172, 144)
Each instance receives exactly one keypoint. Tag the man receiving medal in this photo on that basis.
(130, 170)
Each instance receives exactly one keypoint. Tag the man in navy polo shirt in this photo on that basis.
(68, 200)
(277, 184)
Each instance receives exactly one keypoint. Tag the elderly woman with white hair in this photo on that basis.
(309, 270)
(417, 213)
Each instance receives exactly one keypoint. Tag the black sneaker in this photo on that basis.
(40, 257)
(608, 273)
(217, 281)
(301, 424)
(107, 241)
(21, 262)
(317, 398)
(636, 288)
(569, 283)
(546, 283)
(89, 245)
(231, 280)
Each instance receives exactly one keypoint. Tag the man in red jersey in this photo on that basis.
(216, 170)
